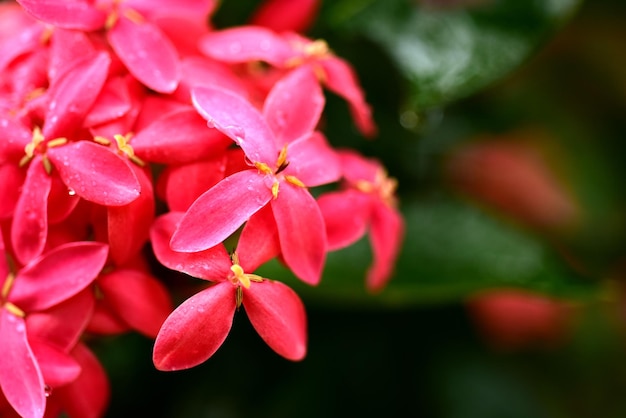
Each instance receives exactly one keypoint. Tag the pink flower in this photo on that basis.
(286, 155)
(41, 284)
(367, 201)
(199, 326)
(288, 51)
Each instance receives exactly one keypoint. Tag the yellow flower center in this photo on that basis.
(281, 164)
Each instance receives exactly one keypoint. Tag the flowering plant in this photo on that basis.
(135, 132)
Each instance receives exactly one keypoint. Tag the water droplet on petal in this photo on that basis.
(71, 192)
(47, 391)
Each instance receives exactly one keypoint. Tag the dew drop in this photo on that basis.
(47, 391)
(71, 192)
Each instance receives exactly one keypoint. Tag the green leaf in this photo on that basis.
(449, 53)
(451, 250)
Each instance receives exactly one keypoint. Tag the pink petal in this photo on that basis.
(356, 167)
(278, 315)
(146, 53)
(113, 102)
(15, 136)
(211, 264)
(230, 203)
(196, 329)
(63, 324)
(22, 38)
(246, 44)
(346, 215)
(202, 71)
(105, 322)
(138, 298)
(258, 242)
(11, 181)
(301, 232)
(95, 173)
(57, 367)
(294, 105)
(198, 8)
(88, 395)
(68, 14)
(239, 120)
(342, 80)
(129, 225)
(30, 223)
(66, 48)
(179, 137)
(58, 275)
(20, 378)
(60, 201)
(73, 94)
(386, 236)
(184, 184)
(313, 161)
(286, 15)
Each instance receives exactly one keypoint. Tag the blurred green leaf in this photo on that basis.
(451, 250)
(451, 52)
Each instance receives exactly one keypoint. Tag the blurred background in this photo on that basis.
(504, 123)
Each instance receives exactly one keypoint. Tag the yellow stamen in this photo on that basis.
(275, 189)
(101, 140)
(318, 48)
(282, 157)
(111, 20)
(134, 16)
(295, 181)
(6, 287)
(240, 277)
(263, 168)
(47, 165)
(14, 309)
(57, 142)
(124, 146)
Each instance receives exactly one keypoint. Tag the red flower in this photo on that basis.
(287, 157)
(288, 51)
(43, 283)
(199, 326)
(367, 201)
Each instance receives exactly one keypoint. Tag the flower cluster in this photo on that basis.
(134, 133)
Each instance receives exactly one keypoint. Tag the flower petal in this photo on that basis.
(146, 53)
(73, 14)
(313, 161)
(15, 136)
(294, 105)
(58, 275)
(66, 48)
(258, 241)
(239, 120)
(20, 378)
(30, 222)
(386, 235)
(221, 211)
(64, 323)
(346, 216)
(246, 44)
(286, 15)
(196, 329)
(57, 367)
(95, 173)
(88, 395)
(211, 264)
(138, 298)
(113, 102)
(278, 315)
(73, 94)
(129, 225)
(182, 185)
(178, 137)
(301, 232)
(342, 80)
